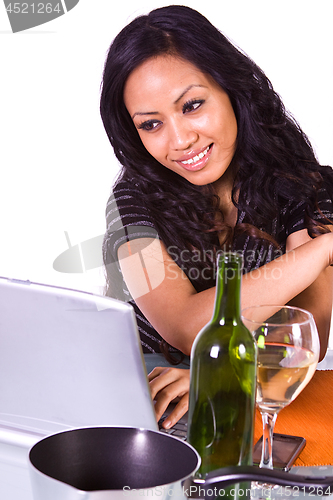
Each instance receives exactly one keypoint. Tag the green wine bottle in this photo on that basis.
(223, 378)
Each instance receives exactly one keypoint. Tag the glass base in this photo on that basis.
(263, 491)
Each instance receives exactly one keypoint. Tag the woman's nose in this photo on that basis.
(181, 135)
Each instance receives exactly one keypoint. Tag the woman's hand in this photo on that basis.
(166, 386)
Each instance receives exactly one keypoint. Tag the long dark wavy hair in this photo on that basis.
(274, 159)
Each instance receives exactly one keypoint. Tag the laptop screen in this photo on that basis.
(68, 359)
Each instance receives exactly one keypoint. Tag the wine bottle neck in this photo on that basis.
(228, 286)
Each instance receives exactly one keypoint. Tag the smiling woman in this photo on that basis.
(211, 160)
(189, 125)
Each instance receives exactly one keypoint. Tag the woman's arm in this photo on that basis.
(168, 299)
(318, 297)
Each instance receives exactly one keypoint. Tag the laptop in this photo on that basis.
(67, 359)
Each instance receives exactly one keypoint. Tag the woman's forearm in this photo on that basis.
(285, 278)
(178, 312)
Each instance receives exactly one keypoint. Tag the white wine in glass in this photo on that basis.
(288, 352)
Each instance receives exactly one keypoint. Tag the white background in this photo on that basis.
(57, 166)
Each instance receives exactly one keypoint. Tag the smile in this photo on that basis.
(196, 158)
(197, 161)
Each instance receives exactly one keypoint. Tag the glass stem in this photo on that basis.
(268, 421)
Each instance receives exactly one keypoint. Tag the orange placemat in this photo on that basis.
(310, 415)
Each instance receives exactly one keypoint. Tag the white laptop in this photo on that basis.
(67, 359)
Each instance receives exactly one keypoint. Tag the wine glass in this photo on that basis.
(288, 352)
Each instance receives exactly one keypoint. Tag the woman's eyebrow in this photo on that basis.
(186, 90)
(144, 113)
(140, 113)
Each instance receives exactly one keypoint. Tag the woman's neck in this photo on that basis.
(223, 188)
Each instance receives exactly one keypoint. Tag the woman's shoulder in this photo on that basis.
(296, 212)
(126, 198)
(127, 216)
(324, 207)
(125, 189)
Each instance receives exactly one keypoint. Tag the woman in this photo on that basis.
(211, 160)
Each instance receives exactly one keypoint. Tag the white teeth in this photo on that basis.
(196, 158)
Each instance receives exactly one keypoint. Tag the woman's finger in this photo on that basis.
(178, 412)
(163, 380)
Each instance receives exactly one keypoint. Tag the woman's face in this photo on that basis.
(184, 118)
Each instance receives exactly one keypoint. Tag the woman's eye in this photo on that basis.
(149, 125)
(192, 105)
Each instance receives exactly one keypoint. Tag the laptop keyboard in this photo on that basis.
(178, 430)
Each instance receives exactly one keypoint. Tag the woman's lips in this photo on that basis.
(196, 160)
